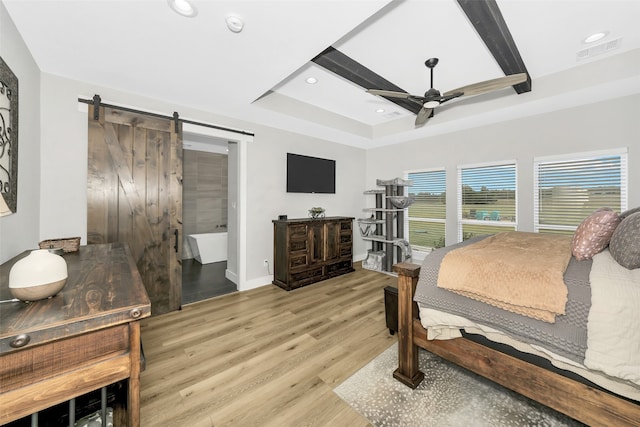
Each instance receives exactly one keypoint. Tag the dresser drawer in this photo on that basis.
(306, 276)
(345, 250)
(338, 267)
(297, 245)
(345, 238)
(298, 231)
(298, 260)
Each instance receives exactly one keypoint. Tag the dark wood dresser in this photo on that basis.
(84, 338)
(310, 250)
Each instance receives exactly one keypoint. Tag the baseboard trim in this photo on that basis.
(255, 283)
(231, 276)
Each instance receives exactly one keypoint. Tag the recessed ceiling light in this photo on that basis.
(235, 23)
(311, 80)
(183, 7)
(380, 110)
(595, 37)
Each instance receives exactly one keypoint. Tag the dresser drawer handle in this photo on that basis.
(20, 341)
(135, 313)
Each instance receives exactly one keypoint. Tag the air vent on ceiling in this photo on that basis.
(598, 49)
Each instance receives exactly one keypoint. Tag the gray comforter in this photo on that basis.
(566, 337)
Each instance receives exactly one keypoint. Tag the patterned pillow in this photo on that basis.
(625, 214)
(594, 233)
(625, 242)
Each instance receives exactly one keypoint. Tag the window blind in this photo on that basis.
(486, 199)
(426, 216)
(569, 190)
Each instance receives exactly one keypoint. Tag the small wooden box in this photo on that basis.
(68, 244)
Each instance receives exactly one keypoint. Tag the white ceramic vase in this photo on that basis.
(39, 275)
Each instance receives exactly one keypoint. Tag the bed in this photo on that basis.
(571, 370)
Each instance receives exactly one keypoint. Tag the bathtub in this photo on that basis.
(208, 247)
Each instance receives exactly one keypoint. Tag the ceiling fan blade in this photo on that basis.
(423, 116)
(388, 93)
(489, 85)
(449, 97)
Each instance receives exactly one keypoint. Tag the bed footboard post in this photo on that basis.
(407, 372)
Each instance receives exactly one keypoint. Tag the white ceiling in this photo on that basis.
(257, 75)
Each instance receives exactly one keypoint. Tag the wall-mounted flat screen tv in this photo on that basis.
(310, 174)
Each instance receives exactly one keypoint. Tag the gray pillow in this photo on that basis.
(625, 242)
(626, 213)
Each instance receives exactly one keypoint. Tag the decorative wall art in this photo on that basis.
(8, 139)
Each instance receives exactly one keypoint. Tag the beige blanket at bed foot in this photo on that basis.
(517, 271)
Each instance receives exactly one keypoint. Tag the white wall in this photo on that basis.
(267, 189)
(64, 146)
(609, 124)
(19, 231)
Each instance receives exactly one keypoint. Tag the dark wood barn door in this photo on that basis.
(134, 195)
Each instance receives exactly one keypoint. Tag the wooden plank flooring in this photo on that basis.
(264, 357)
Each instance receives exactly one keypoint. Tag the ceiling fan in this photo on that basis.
(432, 97)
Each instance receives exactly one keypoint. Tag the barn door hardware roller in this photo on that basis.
(96, 107)
(175, 121)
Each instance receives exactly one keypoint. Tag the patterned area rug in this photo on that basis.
(449, 396)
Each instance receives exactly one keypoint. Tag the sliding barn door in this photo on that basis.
(134, 195)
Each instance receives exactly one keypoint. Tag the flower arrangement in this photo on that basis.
(316, 212)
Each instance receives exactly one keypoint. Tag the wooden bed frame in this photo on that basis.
(573, 398)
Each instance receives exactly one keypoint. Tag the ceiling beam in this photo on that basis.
(342, 65)
(488, 21)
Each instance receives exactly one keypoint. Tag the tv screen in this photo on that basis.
(310, 174)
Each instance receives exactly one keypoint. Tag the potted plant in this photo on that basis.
(316, 213)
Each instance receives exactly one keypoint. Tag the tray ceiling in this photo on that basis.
(258, 75)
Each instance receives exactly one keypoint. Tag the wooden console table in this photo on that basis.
(84, 338)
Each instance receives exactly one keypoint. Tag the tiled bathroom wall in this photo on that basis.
(204, 194)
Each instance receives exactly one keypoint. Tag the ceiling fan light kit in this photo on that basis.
(431, 104)
(433, 99)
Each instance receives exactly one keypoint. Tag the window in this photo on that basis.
(426, 216)
(486, 199)
(569, 188)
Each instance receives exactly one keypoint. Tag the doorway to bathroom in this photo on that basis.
(206, 164)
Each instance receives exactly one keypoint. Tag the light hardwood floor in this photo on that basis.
(264, 357)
